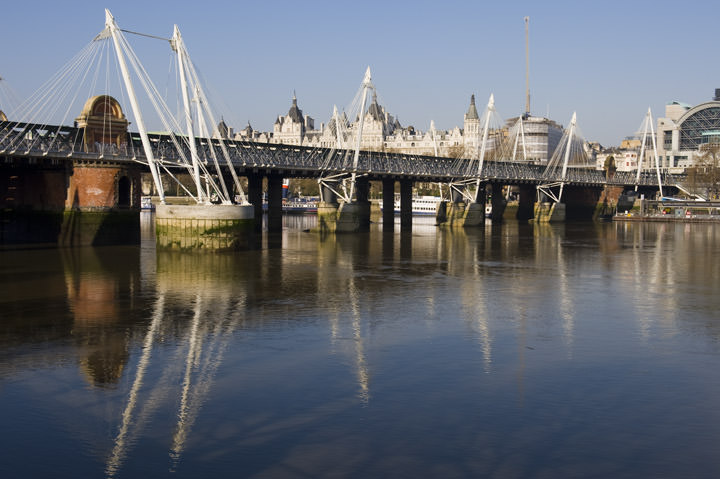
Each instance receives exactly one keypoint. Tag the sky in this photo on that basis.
(607, 61)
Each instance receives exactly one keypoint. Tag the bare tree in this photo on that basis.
(704, 176)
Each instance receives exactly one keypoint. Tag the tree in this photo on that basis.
(456, 151)
(609, 167)
(704, 176)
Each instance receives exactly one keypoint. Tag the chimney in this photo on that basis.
(717, 95)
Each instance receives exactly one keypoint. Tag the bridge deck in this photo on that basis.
(62, 143)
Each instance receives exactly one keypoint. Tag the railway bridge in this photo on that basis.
(81, 184)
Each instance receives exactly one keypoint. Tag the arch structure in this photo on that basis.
(104, 123)
(685, 132)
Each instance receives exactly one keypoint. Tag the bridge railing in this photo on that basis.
(25, 139)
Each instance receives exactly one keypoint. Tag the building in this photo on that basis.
(383, 132)
(685, 131)
(542, 137)
(293, 128)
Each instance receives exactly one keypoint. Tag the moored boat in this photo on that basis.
(421, 205)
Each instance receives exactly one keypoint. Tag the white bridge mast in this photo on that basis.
(366, 85)
(176, 44)
(112, 28)
(648, 124)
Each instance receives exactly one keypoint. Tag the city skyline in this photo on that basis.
(605, 62)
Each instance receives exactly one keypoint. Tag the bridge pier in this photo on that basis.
(474, 214)
(405, 204)
(274, 210)
(526, 202)
(203, 227)
(388, 202)
(255, 197)
(327, 210)
(102, 206)
(549, 212)
(354, 217)
(498, 202)
(362, 196)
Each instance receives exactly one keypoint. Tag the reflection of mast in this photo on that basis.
(644, 317)
(477, 316)
(566, 303)
(194, 350)
(119, 451)
(206, 363)
(363, 374)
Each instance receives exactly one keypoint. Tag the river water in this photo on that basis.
(578, 350)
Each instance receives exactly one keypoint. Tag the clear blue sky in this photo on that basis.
(607, 60)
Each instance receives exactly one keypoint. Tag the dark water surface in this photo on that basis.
(511, 351)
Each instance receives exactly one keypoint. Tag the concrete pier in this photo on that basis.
(204, 227)
(549, 212)
(388, 203)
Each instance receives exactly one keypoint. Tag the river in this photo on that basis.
(576, 350)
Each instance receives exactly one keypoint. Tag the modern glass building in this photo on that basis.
(685, 131)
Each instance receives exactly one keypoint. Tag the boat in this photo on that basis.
(300, 204)
(146, 203)
(421, 205)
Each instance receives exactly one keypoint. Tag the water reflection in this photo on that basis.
(211, 288)
(420, 330)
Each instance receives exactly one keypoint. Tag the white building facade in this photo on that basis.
(383, 132)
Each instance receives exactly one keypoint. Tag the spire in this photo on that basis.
(472, 113)
(375, 110)
(295, 113)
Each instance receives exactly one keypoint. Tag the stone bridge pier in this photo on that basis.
(79, 202)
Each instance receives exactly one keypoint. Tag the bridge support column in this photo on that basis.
(255, 195)
(526, 202)
(550, 212)
(362, 195)
(102, 206)
(274, 190)
(204, 227)
(474, 214)
(327, 210)
(355, 216)
(607, 204)
(405, 204)
(498, 202)
(455, 210)
(388, 202)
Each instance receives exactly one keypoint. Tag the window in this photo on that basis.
(667, 140)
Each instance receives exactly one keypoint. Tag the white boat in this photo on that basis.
(421, 205)
(146, 203)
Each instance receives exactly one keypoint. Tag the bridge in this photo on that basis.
(37, 143)
(95, 165)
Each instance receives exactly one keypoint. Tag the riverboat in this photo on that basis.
(301, 204)
(421, 205)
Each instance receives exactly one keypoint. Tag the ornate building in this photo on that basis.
(383, 132)
(293, 128)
